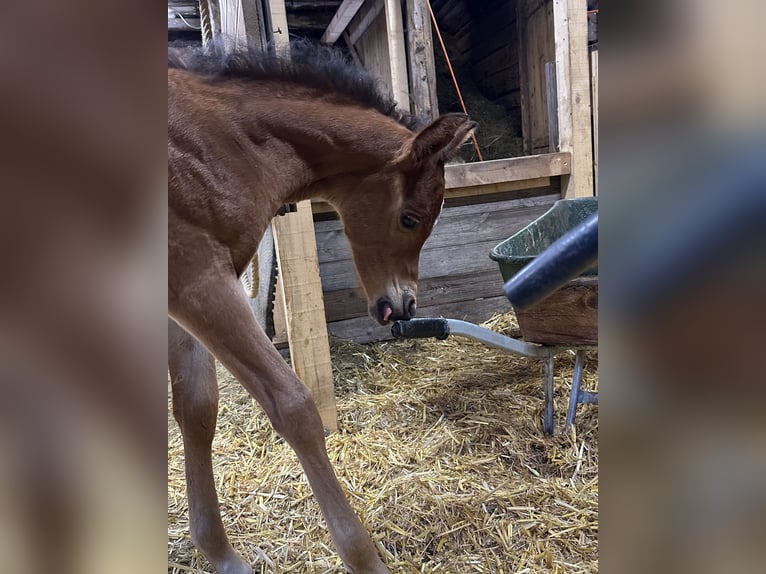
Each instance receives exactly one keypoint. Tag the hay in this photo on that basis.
(441, 452)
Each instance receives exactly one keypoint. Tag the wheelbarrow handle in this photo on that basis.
(568, 257)
(421, 329)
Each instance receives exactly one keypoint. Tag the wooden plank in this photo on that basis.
(563, 84)
(569, 316)
(553, 123)
(346, 11)
(521, 24)
(365, 330)
(541, 51)
(594, 107)
(397, 53)
(505, 170)
(373, 50)
(573, 82)
(296, 248)
(306, 331)
(279, 23)
(579, 76)
(363, 19)
(554, 187)
(421, 60)
(493, 188)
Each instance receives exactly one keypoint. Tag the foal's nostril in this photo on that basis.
(409, 306)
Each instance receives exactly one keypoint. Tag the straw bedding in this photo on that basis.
(441, 452)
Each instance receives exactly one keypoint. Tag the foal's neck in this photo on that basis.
(322, 142)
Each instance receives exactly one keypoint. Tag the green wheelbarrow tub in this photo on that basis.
(569, 316)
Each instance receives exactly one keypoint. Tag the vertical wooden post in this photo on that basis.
(299, 291)
(304, 305)
(594, 100)
(421, 60)
(570, 29)
(397, 54)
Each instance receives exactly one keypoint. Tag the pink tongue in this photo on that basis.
(387, 312)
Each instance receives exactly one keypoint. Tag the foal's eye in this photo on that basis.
(409, 222)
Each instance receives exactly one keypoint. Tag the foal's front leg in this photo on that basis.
(195, 407)
(215, 310)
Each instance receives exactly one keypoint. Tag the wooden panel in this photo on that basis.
(540, 51)
(513, 169)
(373, 50)
(367, 14)
(365, 330)
(305, 321)
(569, 316)
(346, 11)
(397, 53)
(421, 60)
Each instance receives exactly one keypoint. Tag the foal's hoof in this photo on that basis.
(234, 567)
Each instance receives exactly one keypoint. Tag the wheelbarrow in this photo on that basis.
(551, 280)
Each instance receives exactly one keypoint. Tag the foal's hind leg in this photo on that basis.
(195, 407)
(214, 308)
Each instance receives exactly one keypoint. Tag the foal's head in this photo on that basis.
(394, 211)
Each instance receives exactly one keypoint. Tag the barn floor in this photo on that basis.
(441, 452)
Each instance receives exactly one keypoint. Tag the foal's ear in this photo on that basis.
(441, 137)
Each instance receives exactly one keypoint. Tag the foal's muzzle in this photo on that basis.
(387, 310)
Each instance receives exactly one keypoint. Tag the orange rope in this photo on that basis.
(452, 73)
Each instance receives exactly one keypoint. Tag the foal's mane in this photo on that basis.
(311, 65)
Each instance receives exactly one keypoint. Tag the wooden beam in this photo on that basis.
(594, 106)
(421, 60)
(304, 305)
(397, 54)
(505, 170)
(579, 76)
(493, 188)
(346, 12)
(570, 27)
(563, 103)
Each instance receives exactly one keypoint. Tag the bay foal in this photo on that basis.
(246, 134)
